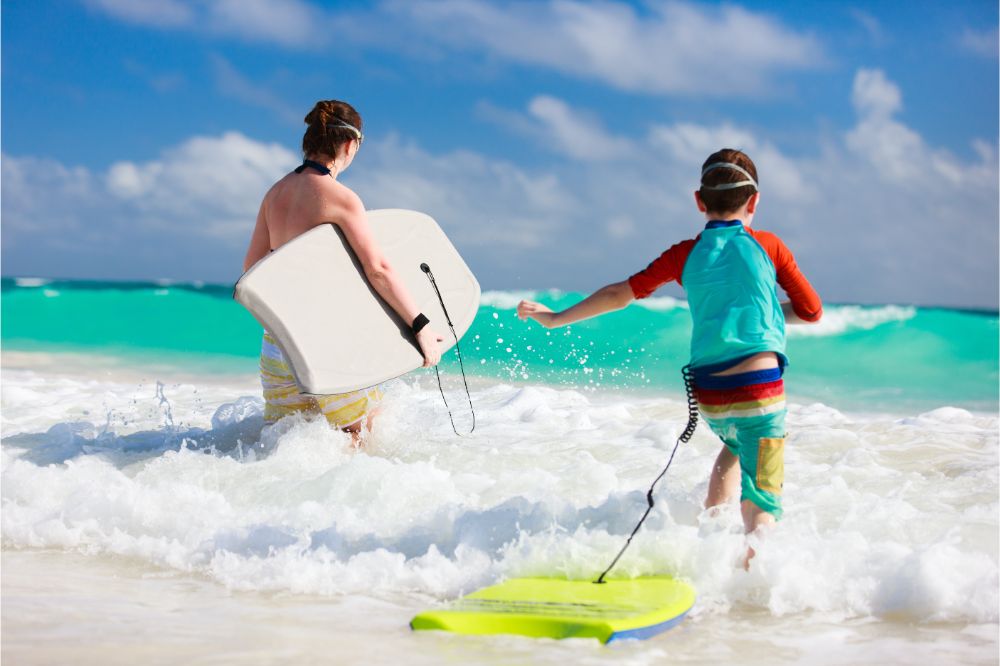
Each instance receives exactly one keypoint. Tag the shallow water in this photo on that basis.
(68, 608)
(159, 496)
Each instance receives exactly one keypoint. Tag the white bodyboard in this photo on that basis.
(337, 334)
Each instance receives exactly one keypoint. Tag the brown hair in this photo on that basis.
(325, 133)
(725, 201)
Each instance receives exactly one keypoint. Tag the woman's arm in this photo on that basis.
(260, 242)
(383, 276)
(606, 299)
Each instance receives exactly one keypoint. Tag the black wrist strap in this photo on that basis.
(419, 323)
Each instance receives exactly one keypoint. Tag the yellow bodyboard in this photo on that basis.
(557, 608)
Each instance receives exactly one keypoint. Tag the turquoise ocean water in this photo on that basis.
(873, 358)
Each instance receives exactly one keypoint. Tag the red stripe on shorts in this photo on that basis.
(741, 394)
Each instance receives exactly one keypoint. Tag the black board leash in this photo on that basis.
(692, 423)
(430, 276)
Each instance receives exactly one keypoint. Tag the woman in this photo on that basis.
(309, 196)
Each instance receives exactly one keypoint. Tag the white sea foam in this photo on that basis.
(31, 282)
(887, 517)
(662, 303)
(841, 319)
(506, 300)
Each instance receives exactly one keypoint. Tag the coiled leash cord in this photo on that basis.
(430, 276)
(692, 423)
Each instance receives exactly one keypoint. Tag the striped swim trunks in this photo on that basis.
(750, 421)
(282, 395)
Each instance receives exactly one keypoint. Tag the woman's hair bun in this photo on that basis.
(324, 136)
(320, 113)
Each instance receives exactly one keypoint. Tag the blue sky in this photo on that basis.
(557, 142)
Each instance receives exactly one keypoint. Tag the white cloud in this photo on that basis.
(154, 13)
(580, 135)
(571, 132)
(872, 213)
(203, 185)
(870, 24)
(666, 49)
(981, 42)
(575, 133)
(621, 227)
(203, 195)
(127, 181)
(874, 95)
(41, 194)
(899, 154)
(913, 221)
(482, 203)
(288, 23)
(690, 144)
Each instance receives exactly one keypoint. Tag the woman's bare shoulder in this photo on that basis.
(278, 187)
(343, 204)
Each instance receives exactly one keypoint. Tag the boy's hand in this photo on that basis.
(540, 313)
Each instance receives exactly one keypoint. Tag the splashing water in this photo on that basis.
(888, 549)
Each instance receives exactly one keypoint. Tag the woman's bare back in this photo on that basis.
(300, 201)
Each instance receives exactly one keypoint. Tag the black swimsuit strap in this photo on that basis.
(315, 165)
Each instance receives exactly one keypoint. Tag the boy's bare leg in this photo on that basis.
(755, 520)
(755, 517)
(724, 483)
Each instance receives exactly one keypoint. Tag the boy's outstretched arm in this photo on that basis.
(606, 299)
(792, 317)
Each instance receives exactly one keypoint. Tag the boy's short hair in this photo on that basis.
(725, 201)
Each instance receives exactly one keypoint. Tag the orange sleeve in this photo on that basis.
(665, 268)
(805, 300)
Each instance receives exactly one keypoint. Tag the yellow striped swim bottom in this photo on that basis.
(282, 395)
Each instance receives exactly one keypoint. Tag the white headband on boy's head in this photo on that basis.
(728, 186)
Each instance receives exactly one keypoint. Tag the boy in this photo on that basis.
(730, 273)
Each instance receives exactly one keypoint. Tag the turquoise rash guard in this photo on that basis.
(731, 287)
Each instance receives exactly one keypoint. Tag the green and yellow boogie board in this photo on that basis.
(555, 608)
